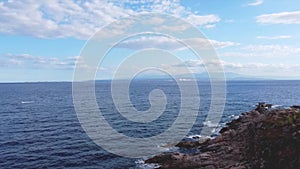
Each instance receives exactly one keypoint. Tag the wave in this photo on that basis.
(197, 137)
(27, 102)
(233, 116)
(140, 164)
(185, 80)
(276, 106)
(210, 124)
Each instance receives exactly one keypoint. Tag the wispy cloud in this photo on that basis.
(256, 3)
(30, 61)
(275, 48)
(280, 18)
(15, 62)
(81, 19)
(253, 68)
(198, 20)
(165, 43)
(264, 52)
(231, 65)
(274, 37)
(210, 26)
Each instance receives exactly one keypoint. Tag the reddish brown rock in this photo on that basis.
(269, 139)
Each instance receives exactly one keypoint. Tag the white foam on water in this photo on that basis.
(197, 136)
(27, 102)
(140, 164)
(210, 124)
(185, 80)
(168, 148)
(276, 106)
(233, 116)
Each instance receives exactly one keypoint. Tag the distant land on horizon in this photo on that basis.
(229, 76)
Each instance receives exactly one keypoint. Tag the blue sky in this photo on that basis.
(41, 40)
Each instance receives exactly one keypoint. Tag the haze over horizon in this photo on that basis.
(41, 40)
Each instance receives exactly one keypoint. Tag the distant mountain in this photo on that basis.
(228, 76)
(236, 76)
(206, 76)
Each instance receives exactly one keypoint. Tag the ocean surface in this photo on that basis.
(39, 127)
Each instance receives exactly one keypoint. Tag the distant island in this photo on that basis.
(230, 76)
(262, 138)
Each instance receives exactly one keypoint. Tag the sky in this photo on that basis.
(43, 40)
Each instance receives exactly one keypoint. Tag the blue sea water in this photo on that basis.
(39, 127)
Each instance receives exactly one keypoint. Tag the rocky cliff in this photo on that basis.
(257, 139)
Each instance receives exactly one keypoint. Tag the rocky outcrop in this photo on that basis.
(296, 107)
(270, 140)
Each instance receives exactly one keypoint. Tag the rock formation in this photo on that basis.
(267, 139)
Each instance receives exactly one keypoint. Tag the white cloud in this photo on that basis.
(211, 63)
(81, 19)
(254, 68)
(264, 51)
(202, 20)
(172, 28)
(201, 63)
(210, 26)
(206, 43)
(196, 66)
(280, 18)
(256, 3)
(26, 60)
(274, 37)
(275, 49)
(161, 42)
(223, 44)
(269, 60)
(231, 65)
(15, 62)
(53, 63)
(55, 19)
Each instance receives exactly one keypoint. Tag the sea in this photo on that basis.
(39, 127)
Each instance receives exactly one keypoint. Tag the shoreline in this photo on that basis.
(259, 138)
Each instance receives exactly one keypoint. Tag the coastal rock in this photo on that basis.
(296, 107)
(191, 144)
(269, 139)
